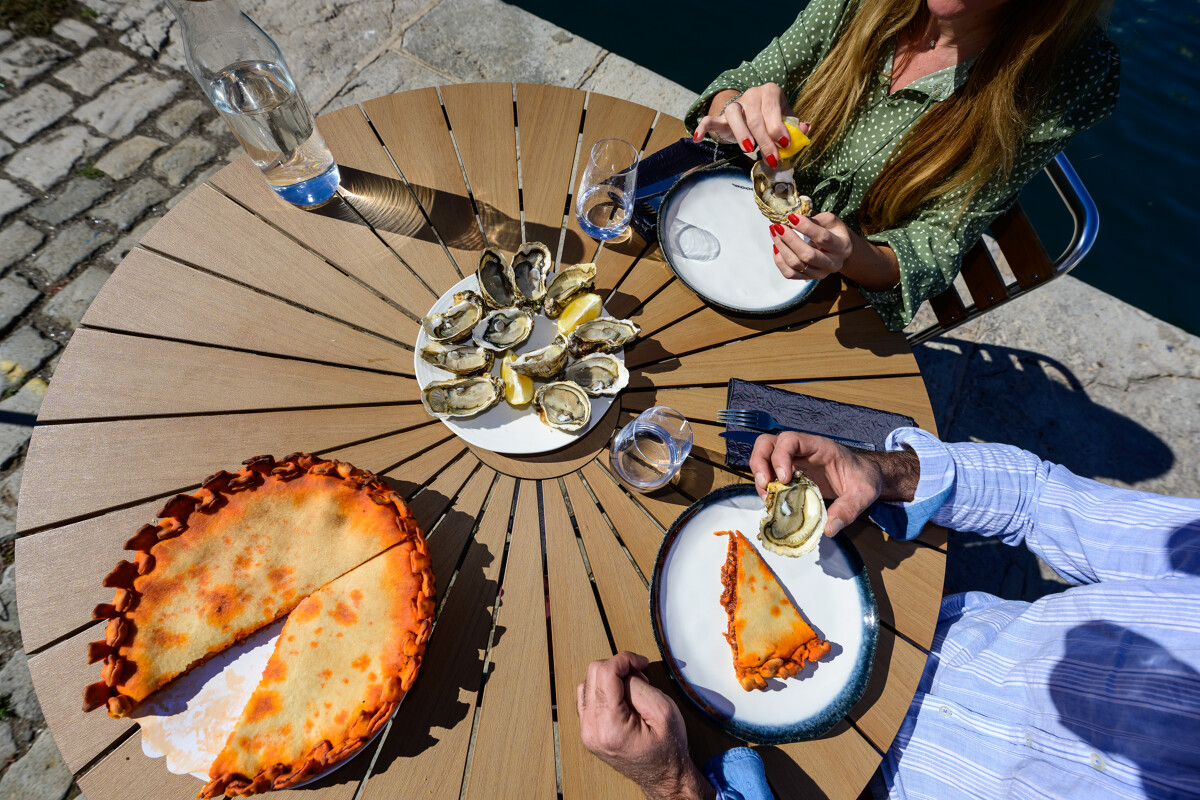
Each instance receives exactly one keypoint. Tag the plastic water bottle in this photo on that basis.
(245, 76)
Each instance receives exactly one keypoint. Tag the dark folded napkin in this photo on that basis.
(813, 414)
(658, 172)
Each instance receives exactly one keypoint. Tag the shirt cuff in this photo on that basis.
(738, 774)
(906, 520)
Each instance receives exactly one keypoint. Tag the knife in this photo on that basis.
(750, 437)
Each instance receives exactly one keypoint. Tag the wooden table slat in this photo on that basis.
(432, 501)
(648, 275)
(424, 754)
(130, 774)
(505, 763)
(664, 504)
(154, 296)
(636, 528)
(386, 452)
(839, 764)
(667, 131)
(577, 634)
(889, 693)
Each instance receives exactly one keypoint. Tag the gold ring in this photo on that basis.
(804, 269)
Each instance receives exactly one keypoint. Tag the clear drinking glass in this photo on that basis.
(604, 203)
(649, 451)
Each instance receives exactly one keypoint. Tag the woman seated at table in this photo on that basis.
(927, 117)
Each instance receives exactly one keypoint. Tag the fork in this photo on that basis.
(761, 420)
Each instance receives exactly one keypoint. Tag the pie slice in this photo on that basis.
(768, 636)
(342, 663)
(234, 556)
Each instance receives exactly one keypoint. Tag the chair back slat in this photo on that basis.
(949, 308)
(983, 279)
(1027, 258)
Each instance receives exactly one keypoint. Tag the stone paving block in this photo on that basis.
(217, 128)
(8, 584)
(22, 353)
(94, 70)
(125, 159)
(6, 149)
(391, 72)
(8, 745)
(20, 414)
(41, 774)
(44, 162)
(487, 40)
(75, 31)
(195, 181)
(68, 306)
(178, 162)
(16, 682)
(12, 198)
(17, 241)
(127, 242)
(37, 109)
(620, 77)
(77, 195)
(124, 105)
(179, 117)
(16, 296)
(6, 36)
(28, 58)
(70, 247)
(125, 209)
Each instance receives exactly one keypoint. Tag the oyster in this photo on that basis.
(496, 279)
(462, 397)
(565, 285)
(795, 517)
(598, 374)
(504, 328)
(456, 322)
(602, 334)
(545, 362)
(467, 359)
(530, 266)
(562, 405)
(776, 194)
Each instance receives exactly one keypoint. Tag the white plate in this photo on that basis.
(502, 428)
(189, 721)
(828, 585)
(717, 242)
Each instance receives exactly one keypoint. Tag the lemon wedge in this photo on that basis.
(580, 310)
(518, 388)
(797, 141)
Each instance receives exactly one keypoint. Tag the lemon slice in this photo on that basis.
(518, 388)
(797, 141)
(580, 310)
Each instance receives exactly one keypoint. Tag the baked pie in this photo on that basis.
(767, 634)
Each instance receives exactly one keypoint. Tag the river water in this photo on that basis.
(1142, 165)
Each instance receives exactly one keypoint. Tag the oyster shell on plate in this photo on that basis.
(598, 374)
(495, 278)
(462, 397)
(545, 362)
(562, 405)
(466, 359)
(531, 265)
(456, 322)
(504, 328)
(795, 518)
(602, 334)
(565, 285)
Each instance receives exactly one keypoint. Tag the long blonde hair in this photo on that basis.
(964, 140)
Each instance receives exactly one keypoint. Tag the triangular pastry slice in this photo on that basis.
(768, 636)
(343, 661)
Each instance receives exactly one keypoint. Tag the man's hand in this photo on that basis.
(637, 730)
(856, 478)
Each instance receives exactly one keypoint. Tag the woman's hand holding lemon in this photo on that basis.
(755, 119)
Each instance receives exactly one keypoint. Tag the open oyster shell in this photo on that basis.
(602, 334)
(467, 359)
(545, 362)
(462, 397)
(562, 405)
(795, 517)
(598, 374)
(504, 328)
(496, 279)
(776, 194)
(565, 285)
(531, 265)
(456, 322)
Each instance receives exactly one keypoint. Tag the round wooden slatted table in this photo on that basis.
(243, 326)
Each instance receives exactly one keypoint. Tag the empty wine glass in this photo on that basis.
(604, 203)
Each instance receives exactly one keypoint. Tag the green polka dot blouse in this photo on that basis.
(931, 244)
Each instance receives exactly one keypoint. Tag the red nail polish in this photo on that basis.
(696, 136)
(747, 145)
(792, 218)
(776, 249)
(779, 230)
(772, 162)
(771, 228)
(783, 141)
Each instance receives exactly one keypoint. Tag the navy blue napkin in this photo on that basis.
(814, 414)
(658, 172)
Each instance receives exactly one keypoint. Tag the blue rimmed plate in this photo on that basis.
(829, 586)
(717, 242)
